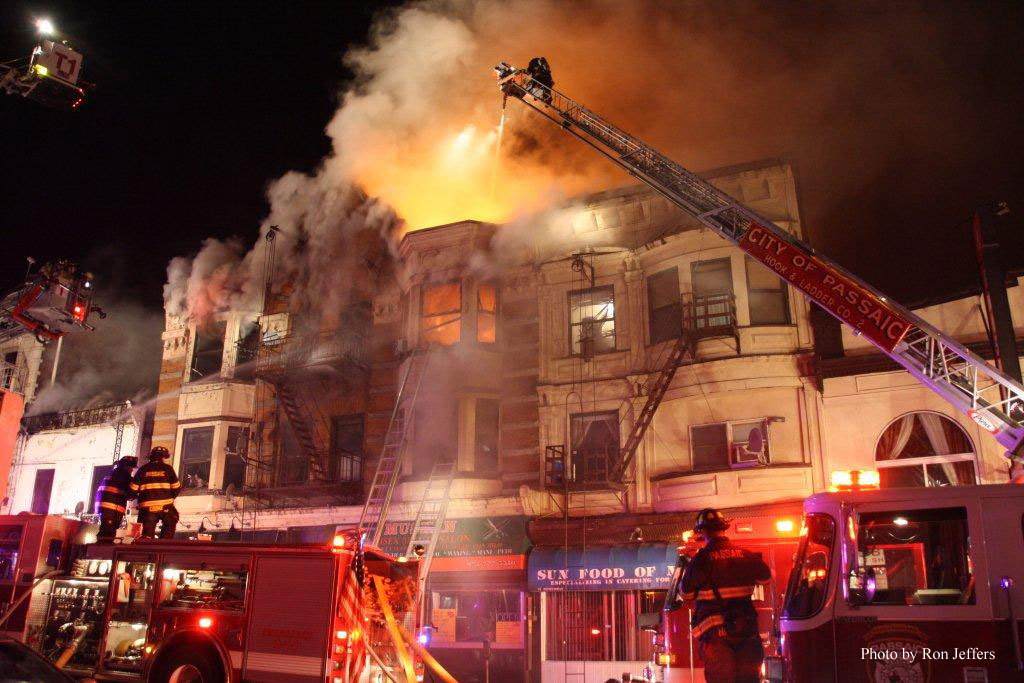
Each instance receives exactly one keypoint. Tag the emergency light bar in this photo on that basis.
(854, 480)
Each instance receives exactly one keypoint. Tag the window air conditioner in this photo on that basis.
(742, 457)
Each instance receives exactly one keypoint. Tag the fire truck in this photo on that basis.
(877, 571)
(893, 585)
(193, 610)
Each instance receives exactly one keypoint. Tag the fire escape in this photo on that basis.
(298, 376)
(706, 316)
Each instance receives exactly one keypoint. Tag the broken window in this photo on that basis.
(595, 446)
(487, 313)
(196, 451)
(441, 314)
(208, 354)
(346, 449)
(766, 292)
(592, 321)
(665, 313)
(487, 435)
(235, 452)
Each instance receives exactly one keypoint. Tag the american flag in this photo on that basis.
(350, 613)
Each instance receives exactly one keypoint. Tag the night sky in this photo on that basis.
(199, 105)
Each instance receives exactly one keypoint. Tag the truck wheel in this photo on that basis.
(187, 665)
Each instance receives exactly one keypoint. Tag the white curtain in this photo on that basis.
(933, 428)
(895, 439)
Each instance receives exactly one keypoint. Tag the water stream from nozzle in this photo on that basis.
(497, 150)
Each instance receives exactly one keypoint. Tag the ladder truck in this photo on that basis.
(984, 393)
(964, 380)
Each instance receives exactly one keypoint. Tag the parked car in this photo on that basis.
(21, 664)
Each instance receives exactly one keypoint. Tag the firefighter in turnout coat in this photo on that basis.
(157, 486)
(112, 497)
(720, 580)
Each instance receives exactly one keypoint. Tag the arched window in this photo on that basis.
(925, 449)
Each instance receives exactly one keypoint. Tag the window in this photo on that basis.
(436, 436)
(915, 557)
(41, 491)
(346, 449)
(441, 313)
(592, 321)
(808, 581)
(599, 625)
(595, 446)
(726, 444)
(471, 616)
(236, 450)
(292, 463)
(713, 304)
(10, 371)
(925, 449)
(208, 355)
(487, 313)
(188, 586)
(196, 451)
(766, 293)
(665, 314)
(98, 472)
(486, 435)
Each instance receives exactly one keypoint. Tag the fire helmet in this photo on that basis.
(159, 453)
(710, 519)
(128, 461)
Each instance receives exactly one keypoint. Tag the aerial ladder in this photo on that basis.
(988, 396)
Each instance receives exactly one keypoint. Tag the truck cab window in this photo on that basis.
(808, 581)
(916, 557)
(192, 587)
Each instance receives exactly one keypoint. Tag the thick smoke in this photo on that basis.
(119, 360)
(711, 84)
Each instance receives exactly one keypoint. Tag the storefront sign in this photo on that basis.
(508, 633)
(828, 287)
(471, 544)
(444, 622)
(647, 566)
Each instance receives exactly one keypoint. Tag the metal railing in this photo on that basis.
(296, 351)
(75, 418)
(338, 467)
(710, 315)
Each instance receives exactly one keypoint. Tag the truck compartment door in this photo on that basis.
(290, 620)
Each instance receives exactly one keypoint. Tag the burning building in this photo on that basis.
(514, 362)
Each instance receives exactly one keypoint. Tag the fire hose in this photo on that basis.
(81, 631)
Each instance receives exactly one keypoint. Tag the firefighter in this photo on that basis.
(720, 580)
(157, 486)
(112, 497)
(540, 71)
